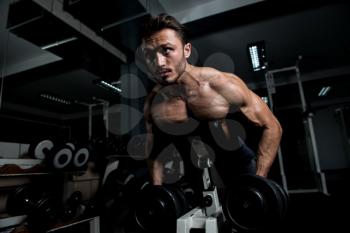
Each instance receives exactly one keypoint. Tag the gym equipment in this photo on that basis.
(254, 203)
(308, 122)
(71, 145)
(21, 200)
(209, 215)
(75, 199)
(59, 157)
(45, 213)
(55, 156)
(174, 168)
(121, 187)
(80, 158)
(283, 197)
(41, 148)
(71, 206)
(250, 202)
(42, 208)
(158, 207)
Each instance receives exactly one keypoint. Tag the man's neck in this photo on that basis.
(188, 78)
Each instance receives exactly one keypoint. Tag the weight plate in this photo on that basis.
(81, 157)
(42, 148)
(45, 213)
(21, 200)
(252, 203)
(71, 145)
(157, 209)
(62, 158)
(283, 198)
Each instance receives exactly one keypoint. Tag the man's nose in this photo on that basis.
(160, 60)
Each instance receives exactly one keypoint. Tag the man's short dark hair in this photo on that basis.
(163, 21)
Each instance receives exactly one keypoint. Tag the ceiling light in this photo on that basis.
(55, 98)
(257, 55)
(58, 43)
(108, 86)
(324, 91)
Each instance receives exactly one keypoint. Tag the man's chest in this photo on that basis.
(200, 103)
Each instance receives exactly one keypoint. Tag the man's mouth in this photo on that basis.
(164, 73)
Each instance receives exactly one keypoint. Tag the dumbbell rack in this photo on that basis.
(16, 171)
(209, 217)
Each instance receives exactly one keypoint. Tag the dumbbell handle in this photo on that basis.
(211, 202)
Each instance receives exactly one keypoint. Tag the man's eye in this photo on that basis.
(148, 55)
(167, 50)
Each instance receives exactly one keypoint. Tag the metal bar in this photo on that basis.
(301, 90)
(90, 122)
(312, 135)
(106, 118)
(95, 225)
(310, 128)
(282, 172)
(303, 191)
(290, 68)
(343, 127)
(269, 92)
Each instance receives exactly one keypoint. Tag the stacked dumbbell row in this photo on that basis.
(128, 198)
(60, 156)
(250, 202)
(44, 208)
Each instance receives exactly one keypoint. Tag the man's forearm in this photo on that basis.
(156, 171)
(268, 148)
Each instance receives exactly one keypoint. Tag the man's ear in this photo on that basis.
(187, 50)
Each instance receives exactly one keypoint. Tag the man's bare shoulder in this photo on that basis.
(229, 85)
(219, 79)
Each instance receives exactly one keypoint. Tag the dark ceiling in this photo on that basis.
(317, 30)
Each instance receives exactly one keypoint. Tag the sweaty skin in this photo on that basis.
(206, 92)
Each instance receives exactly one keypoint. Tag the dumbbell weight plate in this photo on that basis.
(71, 145)
(40, 149)
(157, 209)
(81, 157)
(252, 203)
(75, 199)
(21, 200)
(45, 213)
(283, 198)
(61, 157)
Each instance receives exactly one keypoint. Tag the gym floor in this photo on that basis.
(312, 212)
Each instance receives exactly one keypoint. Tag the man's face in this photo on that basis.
(165, 56)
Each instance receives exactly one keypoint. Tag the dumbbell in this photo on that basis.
(40, 149)
(56, 157)
(21, 200)
(158, 207)
(254, 203)
(41, 207)
(71, 206)
(80, 158)
(45, 213)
